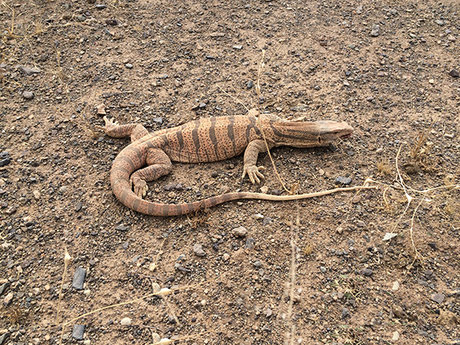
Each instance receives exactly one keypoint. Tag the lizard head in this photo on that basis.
(308, 134)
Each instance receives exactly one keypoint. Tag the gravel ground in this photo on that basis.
(342, 269)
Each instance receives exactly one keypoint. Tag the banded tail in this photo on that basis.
(130, 159)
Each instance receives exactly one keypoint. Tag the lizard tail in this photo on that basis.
(131, 159)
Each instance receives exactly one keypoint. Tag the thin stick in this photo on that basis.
(408, 197)
(161, 293)
(67, 259)
(261, 66)
(270, 197)
(233, 97)
(271, 159)
(411, 233)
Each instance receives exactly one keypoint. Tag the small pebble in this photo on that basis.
(36, 194)
(79, 278)
(395, 336)
(343, 180)
(29, 70)
(240, 231)
(395, 286)
(264, 189)
(389, 235)
(345, 313)
(257, 264)
(126, 321)
(122, 227)
(5, 158)
(238, 47)
(375, 30)
(439, 22)
(112, 22)
(198, 250)
(78, 331)
(249, 84)
(3, 338)
(8, 298)
(454, 73)
(100, 109)
(158, 120)
(28, 95)
(438, 297)
(356, 199)
(367, 272)
(250, 243)
(128, 66)
(268, 312)
(226, 256)
(3, 288)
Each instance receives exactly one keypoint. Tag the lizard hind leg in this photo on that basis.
(159, 165)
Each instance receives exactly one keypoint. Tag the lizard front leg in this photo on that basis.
(159, 165)
(250, 160)
(114, 130)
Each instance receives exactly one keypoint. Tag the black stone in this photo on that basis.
(112, 22)
(5, 158)
(454, 73)
(79, 278)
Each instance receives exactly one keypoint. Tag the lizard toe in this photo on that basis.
(140, 187)
(254, 174)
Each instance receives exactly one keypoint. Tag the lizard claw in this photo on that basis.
(140, 187)
(253, 173)
(109, 122)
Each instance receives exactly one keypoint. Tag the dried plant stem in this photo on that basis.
(289, 340)
(417, 255)
(67, 259)
(233, 97)
(272, 161)
(259, 71)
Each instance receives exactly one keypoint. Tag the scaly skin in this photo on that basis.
(149, 155)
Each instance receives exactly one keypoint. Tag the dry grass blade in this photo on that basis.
(417, 255)
(234, 98)
(261, 66)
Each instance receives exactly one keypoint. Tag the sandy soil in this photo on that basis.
(310, 272)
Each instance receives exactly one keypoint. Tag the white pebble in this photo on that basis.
(126, 321)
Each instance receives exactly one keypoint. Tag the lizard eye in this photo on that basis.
(319, 140)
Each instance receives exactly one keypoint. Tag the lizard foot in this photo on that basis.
(109, 123)
(253, 173)
(140, 187)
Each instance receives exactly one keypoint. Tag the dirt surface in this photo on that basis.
(390, 69)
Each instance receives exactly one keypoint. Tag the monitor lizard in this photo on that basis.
(149, 155)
